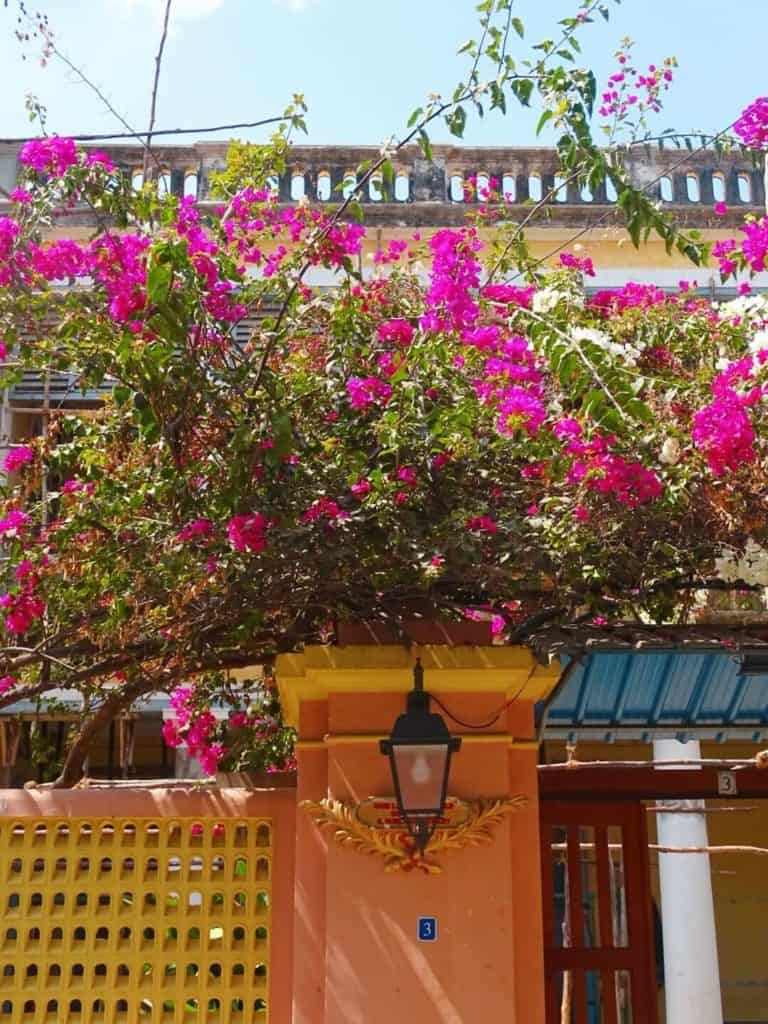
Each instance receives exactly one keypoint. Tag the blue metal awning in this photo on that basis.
(646, 694)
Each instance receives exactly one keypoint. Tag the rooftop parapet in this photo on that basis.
(689, 182)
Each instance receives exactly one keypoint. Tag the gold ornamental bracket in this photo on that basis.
(367, 829)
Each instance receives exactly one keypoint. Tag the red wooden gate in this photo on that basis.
(598, 932)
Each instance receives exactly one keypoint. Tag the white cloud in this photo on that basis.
(295, 5)
(179, 8)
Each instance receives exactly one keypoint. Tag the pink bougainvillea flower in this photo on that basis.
(509, 294)
(247, 533)
(720, 209)
(18, 457)
(361, 489)
(181, 703)
(6, 683)
(498, 625)
(53, 155)
(78, 487)
(323, 508)
(407, 475)
(454, 277)
(98, 159)
(197, 529)
(171, 735)
(752, 125)
(13, 523)
(367, 391)
(398, 331)
(567, 429)
(210, 757)
(520, 409)
(21, 610)
(24, 570)
(583, 265)
(632, 295)
(482, 524)
(723, 431)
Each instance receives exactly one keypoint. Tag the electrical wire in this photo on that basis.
(94, 137)
(478, 725)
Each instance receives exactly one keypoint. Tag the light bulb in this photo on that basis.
(420, 770)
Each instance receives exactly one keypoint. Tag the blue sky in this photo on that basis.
(362, 65)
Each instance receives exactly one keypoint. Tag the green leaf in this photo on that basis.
(159, 277)
(523, 89)
(639, 410)
(426, 145)
(518, 26)
(456, 121)
(546, 116)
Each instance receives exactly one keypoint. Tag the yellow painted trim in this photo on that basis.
(318, 671)
(343, 739)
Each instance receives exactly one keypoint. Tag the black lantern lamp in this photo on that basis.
(419, 752)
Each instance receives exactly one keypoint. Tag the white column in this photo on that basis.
(691, 970)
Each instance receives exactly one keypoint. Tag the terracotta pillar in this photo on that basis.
(358, 957)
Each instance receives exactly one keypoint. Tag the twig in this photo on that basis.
(654, 181)
(678, 809)
(49, 39)
(760, 760)
(519, 230)
(584, 358)
(155, 83)
(563, 848)
(761, 850)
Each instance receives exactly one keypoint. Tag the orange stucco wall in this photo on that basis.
(358, 958)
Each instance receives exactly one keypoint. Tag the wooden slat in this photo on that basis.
(576, 919)
(610, 1014)
(579, 1011)
(547, 886)
(604, 887)
(552, 1010)
(575, 906)
(644, 974)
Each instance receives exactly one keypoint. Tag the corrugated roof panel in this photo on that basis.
(645, 692)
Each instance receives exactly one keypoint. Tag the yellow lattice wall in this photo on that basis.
(156, 920)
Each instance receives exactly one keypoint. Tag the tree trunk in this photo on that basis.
(72, 770)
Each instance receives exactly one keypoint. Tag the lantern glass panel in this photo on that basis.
(421, 774)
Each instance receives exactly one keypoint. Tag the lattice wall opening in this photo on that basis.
(135, 921)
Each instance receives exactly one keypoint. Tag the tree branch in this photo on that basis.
(155, 83)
